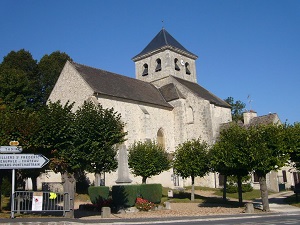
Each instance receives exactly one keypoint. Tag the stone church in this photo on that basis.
(163, 103)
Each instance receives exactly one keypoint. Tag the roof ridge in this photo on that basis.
(214, 100)
(122, 75)
(164, 33)
(161, 40)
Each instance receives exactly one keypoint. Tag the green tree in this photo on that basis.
(19, 81)
(50, 67)
(237, 108)
(23, 126)
(57, 136)
(267, 152)
(230, 155)
(97, 132)
(191, 160)
(147, 159)
(80, 141)
(292, 142)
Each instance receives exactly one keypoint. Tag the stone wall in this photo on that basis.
(70, 86)
(168, 67)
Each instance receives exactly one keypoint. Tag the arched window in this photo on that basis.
(145, 71)
(160, 138)
(187, 69)
(158, 65)
(176, 64)
(190, 115)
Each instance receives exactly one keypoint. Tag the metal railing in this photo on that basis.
(33, 201)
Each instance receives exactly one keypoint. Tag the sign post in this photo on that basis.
(22, 161)
(19, 161)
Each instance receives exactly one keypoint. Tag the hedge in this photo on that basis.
(125, 195)
(98, 192)
(151, 192)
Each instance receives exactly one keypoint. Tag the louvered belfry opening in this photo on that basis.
(158, 65)
(145, 71)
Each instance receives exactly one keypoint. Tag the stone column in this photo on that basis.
(123, 170)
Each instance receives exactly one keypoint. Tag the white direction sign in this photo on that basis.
(10, 149)
(22, 161)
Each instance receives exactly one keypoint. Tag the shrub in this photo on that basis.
(231, 189)
(98, 193)
(234, 189)
(144, 205)
(247, 187)
(151, 192)
(125, 195)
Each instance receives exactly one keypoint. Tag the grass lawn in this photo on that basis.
(184, 196)
(246, 196)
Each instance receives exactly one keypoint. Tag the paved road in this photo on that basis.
(245, 219)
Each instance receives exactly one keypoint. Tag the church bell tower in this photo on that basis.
(162, 57)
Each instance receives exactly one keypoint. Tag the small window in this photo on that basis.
(158, 65)
(145, 71)
(256, 178)
(187, 69)
(190, 115)
(161, 138)
(284, 176)
(221, 179)
(176, 64)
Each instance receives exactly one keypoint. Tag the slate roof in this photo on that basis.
(170, 92)
(203, 93)
(265, 119)
(271, 118)
(112, 84)
(164, 40)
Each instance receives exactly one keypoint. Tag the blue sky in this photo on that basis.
(245, 47)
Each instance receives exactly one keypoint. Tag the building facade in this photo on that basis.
(163, 103)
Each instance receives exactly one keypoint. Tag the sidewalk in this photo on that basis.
(277, 204)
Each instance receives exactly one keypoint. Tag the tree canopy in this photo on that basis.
(267, 152)
(237, 108)
(292, 142)
(97, 132)
(191, 160)
(230, 154)
(26, 83)
(241, 150)
(50, 67)
(147, 159)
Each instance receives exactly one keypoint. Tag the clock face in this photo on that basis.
(182, 62)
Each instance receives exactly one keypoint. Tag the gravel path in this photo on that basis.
(179, 210)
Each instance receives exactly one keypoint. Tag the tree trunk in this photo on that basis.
(34, 183)
(225, 188)
(240, 189)
(144, 180)
(69, 184)
(193, 189)
(264, 192)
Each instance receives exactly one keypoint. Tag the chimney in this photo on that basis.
(248, 116)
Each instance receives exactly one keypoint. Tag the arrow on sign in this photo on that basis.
(22, 161)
